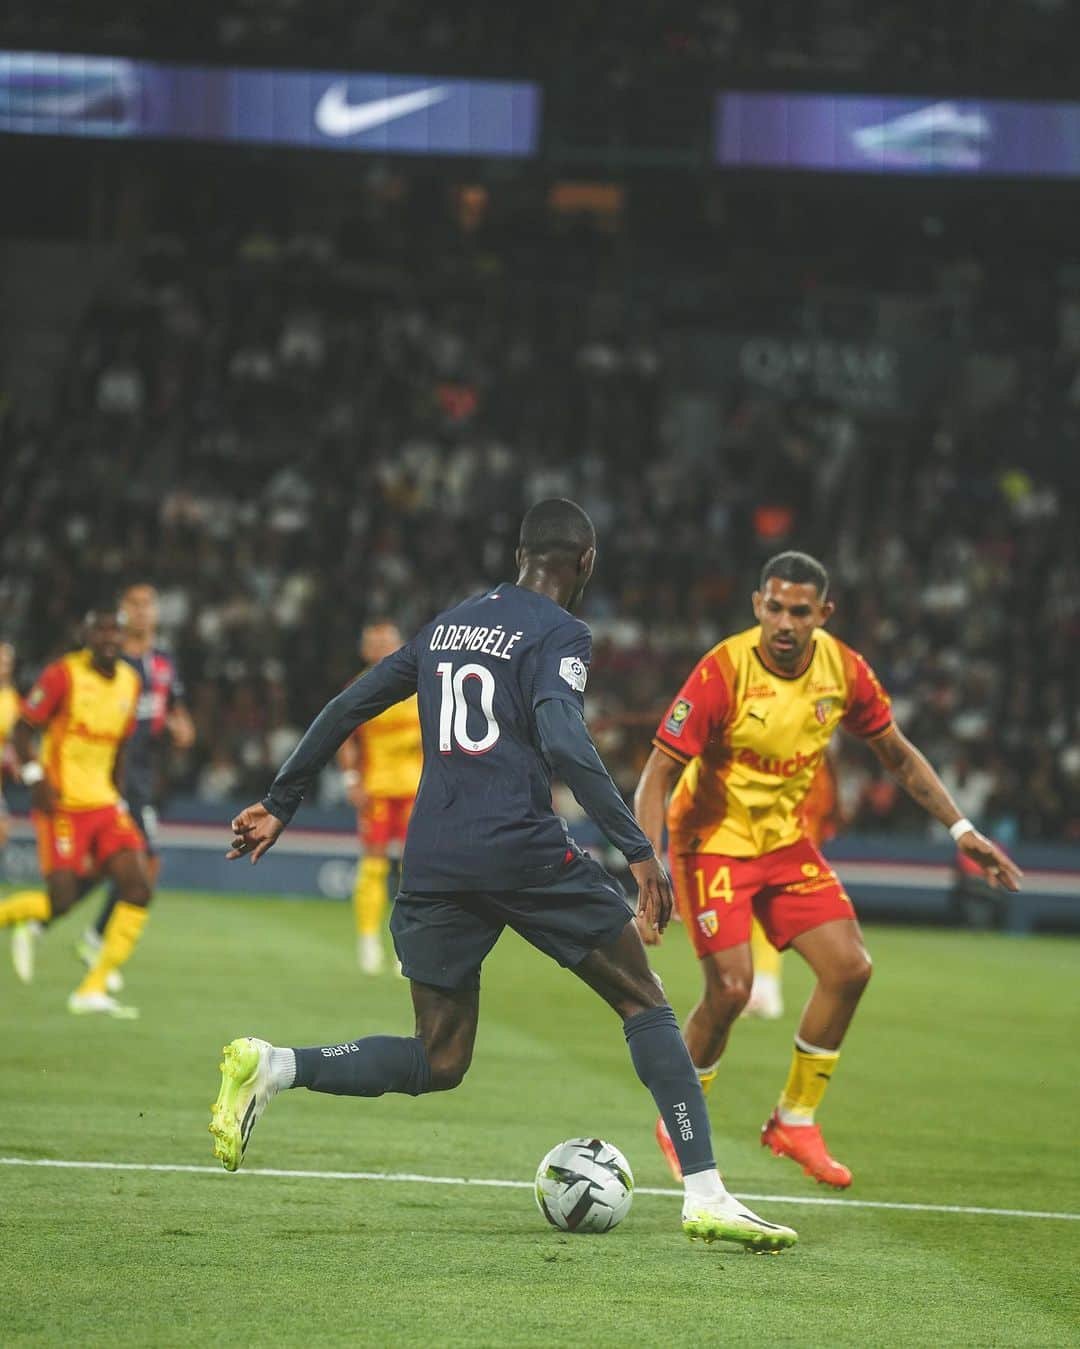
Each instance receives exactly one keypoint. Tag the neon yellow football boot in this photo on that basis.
(246, 1090)
(725, 1219)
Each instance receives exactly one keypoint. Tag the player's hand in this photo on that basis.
(43, 797)
(1000, 869)
(357, 796)
(255, 831)
(654, 899)
(649, 934)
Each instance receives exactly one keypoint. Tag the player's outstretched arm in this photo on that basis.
(913, 771)
(392, 680)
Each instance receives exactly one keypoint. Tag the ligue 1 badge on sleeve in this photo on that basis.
(677, 718)
(574, 672)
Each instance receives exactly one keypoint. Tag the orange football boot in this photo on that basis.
(804, 1144)
(667, 1147)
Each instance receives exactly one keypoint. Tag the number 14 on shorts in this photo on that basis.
(714, 887)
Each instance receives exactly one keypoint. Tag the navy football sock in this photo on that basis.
(367, 1067)
(663, 1064)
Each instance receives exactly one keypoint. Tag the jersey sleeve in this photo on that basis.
(43, 701)
(562, 665)
(869, 709)
(699, 710)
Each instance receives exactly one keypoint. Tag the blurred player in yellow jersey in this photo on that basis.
(9, 713)
(381, 764)
(820, 814)
(85, 705)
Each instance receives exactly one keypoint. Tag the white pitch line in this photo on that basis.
(409, 1178)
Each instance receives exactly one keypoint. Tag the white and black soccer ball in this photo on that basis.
(584, 1185)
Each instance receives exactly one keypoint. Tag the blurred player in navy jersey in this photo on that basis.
(162, 717)
(500, 681)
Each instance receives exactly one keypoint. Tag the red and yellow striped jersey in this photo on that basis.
(86, 715)
(751, 740)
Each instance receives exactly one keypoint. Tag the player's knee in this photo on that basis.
(851, 974)
(727, 993)
(136, 893)
(447, 1070)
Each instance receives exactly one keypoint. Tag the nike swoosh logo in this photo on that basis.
(335, 116)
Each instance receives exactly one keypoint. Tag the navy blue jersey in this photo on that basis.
(483, 814)
(161, 688)
(483, 817)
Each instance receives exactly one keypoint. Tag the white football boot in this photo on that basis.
(24, 939)
(102, 1004)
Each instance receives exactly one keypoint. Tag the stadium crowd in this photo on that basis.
(625, 45)
(288, 441)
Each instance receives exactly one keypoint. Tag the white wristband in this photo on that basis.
(961, 827)
(350, 777)
(31, 773)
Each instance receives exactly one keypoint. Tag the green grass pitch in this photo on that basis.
(958, 1085)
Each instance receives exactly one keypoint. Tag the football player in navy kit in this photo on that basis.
(500, 680)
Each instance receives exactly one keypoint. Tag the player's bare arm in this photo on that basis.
(42, 795)
(658, 779)
(913, 771)
(119, 773)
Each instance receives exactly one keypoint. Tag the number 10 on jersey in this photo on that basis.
(454, 710)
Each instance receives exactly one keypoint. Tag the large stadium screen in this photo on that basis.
(855, 133)
(103, 96)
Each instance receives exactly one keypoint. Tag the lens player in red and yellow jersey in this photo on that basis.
(381, 763)
(85, 705)
(737, 752)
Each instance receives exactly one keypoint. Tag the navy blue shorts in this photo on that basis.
(442, 939)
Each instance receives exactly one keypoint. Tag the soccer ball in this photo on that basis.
(584, 1185)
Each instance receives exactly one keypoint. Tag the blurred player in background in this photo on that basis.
(162, 714)
(740, 746)
(820, 814)
(85, 703)
(381, 763)
(9, 713)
